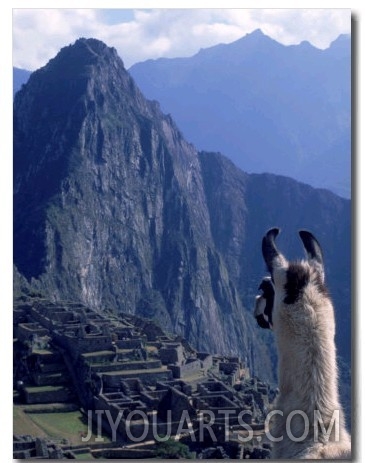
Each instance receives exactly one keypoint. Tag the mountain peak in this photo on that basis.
(227, 96)
(95, 48)
(256, 33)
(341, 39)
(256, 37)
(86, 70)
(234, 52)
(342, 44)
(94, 45)
(306, 44)
(84, 52)
(105, 182)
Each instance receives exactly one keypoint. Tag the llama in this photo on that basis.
(307, 414)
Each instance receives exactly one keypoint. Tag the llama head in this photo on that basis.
(298, 283)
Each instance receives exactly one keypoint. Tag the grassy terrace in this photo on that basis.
(162, 369)
(97, 353)
(47, 388)
(103, 355)
(105, 352)
(126, 365)
(62, 427)
(43, 352)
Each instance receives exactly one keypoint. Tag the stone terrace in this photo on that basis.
(124, 365)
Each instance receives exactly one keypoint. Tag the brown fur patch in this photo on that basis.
(297, 278)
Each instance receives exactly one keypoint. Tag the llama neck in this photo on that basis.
(308, 374)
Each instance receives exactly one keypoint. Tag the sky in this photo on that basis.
(140, 34)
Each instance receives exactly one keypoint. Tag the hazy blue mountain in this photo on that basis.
(268, 107)
(114, 208)
(20, 77)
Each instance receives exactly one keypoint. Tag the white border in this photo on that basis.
(6, 185)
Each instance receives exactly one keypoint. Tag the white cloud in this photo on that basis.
(292, 26)
(38, 34)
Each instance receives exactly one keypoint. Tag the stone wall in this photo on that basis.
(190, 367)
(177, 384)
(20, 314)
(231, 370)
(27, 331)
(130, 343)
(26, 447)
(34, 395)
(206, 360)
(214, 387)
(127, 365)
(76, 345)
(149, 377)
(171, 353)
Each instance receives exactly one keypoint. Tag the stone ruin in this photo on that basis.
(120, 366)
(27, 447)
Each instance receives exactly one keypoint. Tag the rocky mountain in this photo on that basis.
(113, 208)
(268, 107)
(242, 206)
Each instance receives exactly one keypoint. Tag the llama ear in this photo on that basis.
(313, 250)
(273, 258)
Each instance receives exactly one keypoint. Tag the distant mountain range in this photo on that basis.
(268, 107)
(20, 77)
(114, 208)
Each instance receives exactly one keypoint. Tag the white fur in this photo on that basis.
(304, 332)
